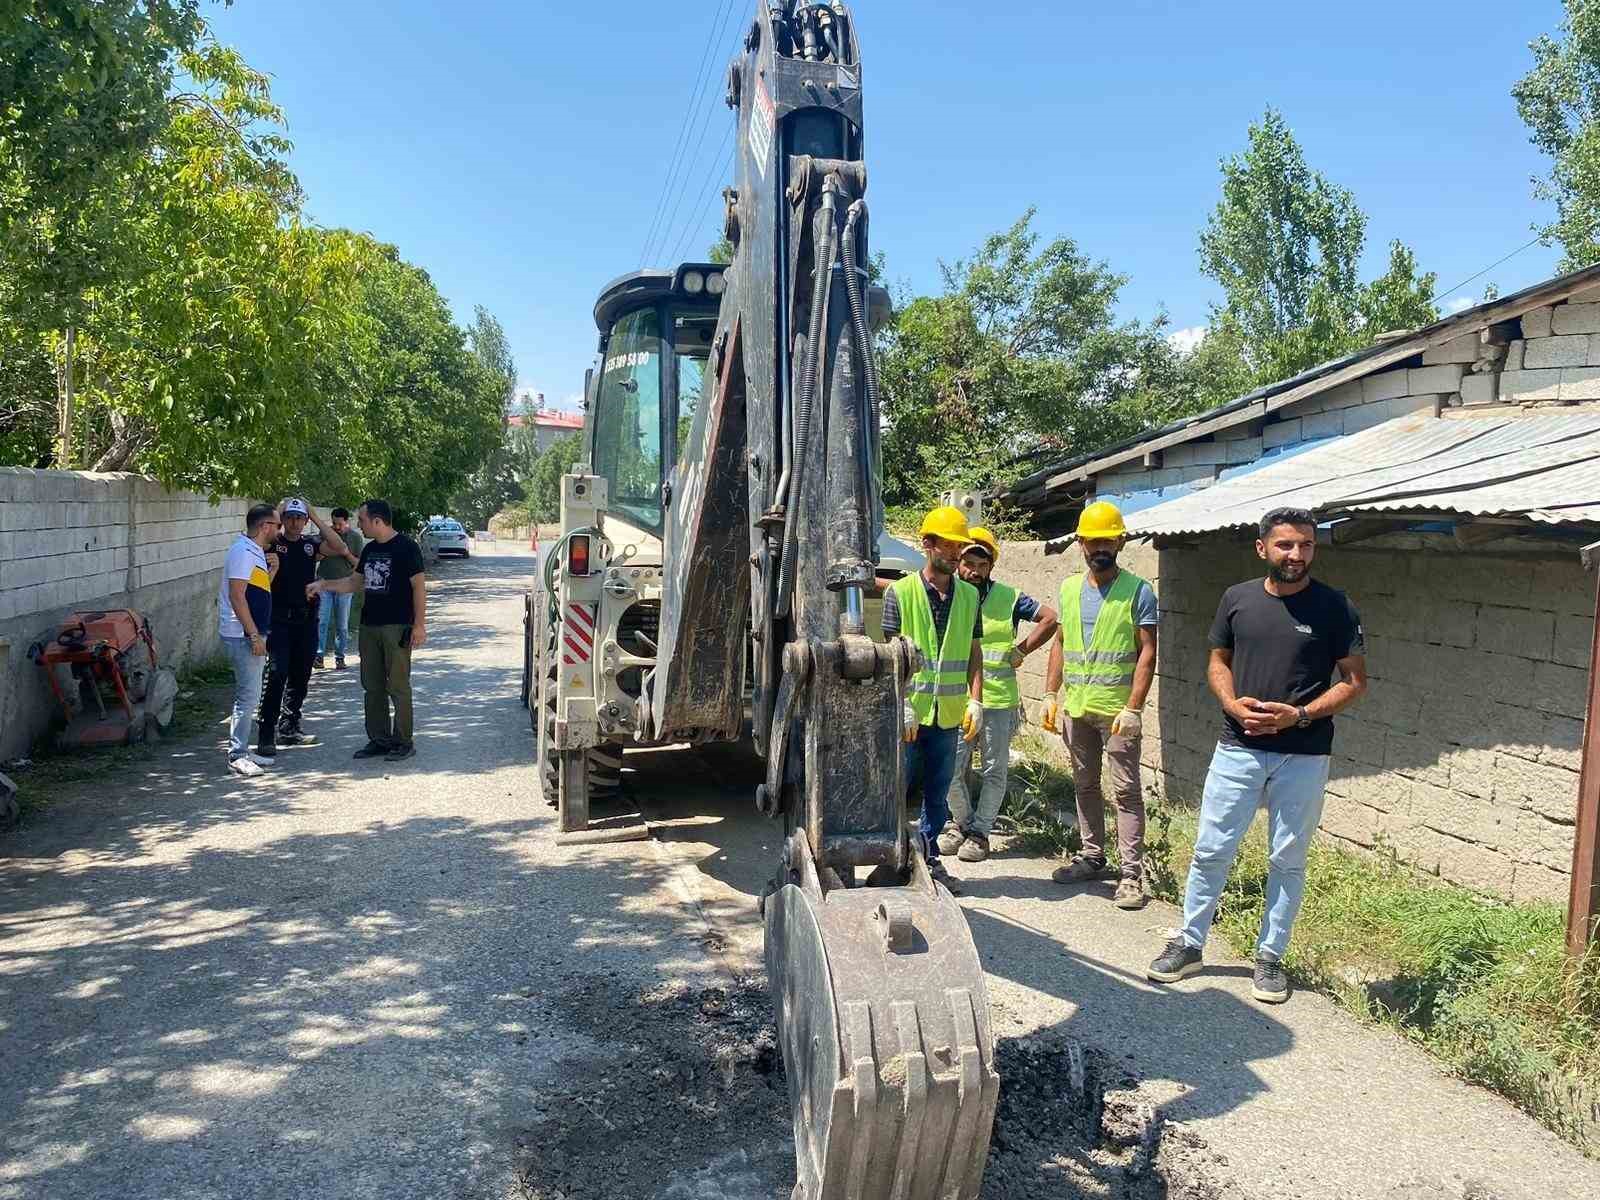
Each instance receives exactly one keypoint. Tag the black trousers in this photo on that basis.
(291, 647)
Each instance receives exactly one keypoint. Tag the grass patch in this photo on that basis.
(1486, 987)
(205, 691)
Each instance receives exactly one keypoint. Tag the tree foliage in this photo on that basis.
(1021, 351)
(1559, 100)
(494, 484)
(542, 489)
(1285, 244)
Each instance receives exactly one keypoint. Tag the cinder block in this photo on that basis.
(1480, 389)
(1575, 318)
(1321, 425)
(1281, 433)
(1549, 790)
(1349, 819)
(1382, 790)
(1414, 757)
(1462, 816)
(1480, 868)
(1522, 632)
(1529, 387)
(1346, 395)
(1386, 385)
(1514, 355)
(1243, 450)
(1542, 841)
(1463, 349)
(1562, 743)
(1406, 406)
(1535, 884)
(1424, 381)
(1470, 770)
(1449, 622)
(1580, 383)
(1571, 351)
(1573, 639)
(1559, 689)
(1536, 323)
(1364, 417)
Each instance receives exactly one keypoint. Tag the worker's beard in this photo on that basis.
(1287, 572)
(1102, 561)
(942, 565)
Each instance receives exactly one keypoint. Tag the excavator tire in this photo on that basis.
(601, 775)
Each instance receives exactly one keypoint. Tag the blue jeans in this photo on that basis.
(1239, 782)
(995, 742)
(334, 602)
(247, 670)
(931, 763)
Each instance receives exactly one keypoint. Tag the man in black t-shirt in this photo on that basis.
(1275, 645)
(292, 642)
(394, 622)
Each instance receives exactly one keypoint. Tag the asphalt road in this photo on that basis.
(353, 980)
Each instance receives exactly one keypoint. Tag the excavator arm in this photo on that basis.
(771, 541)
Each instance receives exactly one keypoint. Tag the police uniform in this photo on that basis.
(292, 641)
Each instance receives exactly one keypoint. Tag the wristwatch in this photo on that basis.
(1305, 718)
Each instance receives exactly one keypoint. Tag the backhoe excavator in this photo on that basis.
(717, 550)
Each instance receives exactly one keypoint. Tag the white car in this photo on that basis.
(446, 536)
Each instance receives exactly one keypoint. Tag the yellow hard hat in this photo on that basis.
(982, 537)
(1102, 519)
(946, 522)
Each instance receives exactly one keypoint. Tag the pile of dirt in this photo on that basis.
(688, 1101)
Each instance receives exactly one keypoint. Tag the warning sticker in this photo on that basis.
(761, 114)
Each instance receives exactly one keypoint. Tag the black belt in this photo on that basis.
(291, 616)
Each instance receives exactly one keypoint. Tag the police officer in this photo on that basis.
(292, 642)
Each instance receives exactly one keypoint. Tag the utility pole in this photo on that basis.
(64, 456)
(1583, 907)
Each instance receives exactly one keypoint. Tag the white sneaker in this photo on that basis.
(260, 760)
(249, 767)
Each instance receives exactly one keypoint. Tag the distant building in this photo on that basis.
(548, 425)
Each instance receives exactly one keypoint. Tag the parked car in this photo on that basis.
(445, 535)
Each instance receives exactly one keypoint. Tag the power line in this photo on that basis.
(707, 190)
(704, 117)
(681, 141)
(1452, 291)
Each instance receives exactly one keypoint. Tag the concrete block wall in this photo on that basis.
(1463, 758)
(72, 539)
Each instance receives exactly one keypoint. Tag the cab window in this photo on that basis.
(627, 445)
(691, 339)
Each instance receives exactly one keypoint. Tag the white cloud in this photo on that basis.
(1461, 304)
(1185, 340)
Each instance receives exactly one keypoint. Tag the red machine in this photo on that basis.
(123, 693)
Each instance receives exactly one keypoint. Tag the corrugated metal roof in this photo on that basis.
(1544, 468)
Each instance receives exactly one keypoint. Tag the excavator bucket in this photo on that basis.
(884, 1023)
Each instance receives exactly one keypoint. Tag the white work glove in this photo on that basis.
(909, 723)
(1127, 724)
(1014, 656)
(1049, 714)
(973, 721)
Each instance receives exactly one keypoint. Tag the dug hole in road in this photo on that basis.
(391, 981)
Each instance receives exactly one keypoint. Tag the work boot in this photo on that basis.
(338, 663)
(974, 849)
(1270, 984)
(1130, 894)
(1080, 870)
(1175, 962)
(950, 838)
(398, 753)
(941, 874)
(288, 735)
(371, 750)
(319, 663)
(266, 749)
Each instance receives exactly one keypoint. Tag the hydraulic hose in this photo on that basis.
(855, 233)
(810, 369)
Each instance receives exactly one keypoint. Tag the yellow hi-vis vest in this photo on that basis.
(943, 677)
(999, 677)
(1099, 677)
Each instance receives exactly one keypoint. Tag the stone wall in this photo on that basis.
(1463, 758)
(70, 540)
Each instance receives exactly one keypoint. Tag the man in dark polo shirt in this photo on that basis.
(1275, 644)
(292, 643)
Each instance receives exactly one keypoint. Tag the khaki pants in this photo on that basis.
(1088, 738)
(386, 677)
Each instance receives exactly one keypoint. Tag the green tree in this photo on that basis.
(542, 500)
(1021, 351)
(493, 485)
(1285, 244)
(1559, 100)
(721, 252)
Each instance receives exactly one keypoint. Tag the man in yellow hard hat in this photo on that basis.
(1003, 608)
(1107, 653)
(941, 615)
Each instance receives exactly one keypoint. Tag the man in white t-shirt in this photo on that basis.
(244, 607)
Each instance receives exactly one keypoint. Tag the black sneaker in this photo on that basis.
(371, 750)
(1270, 984)
(319, 663)
(288, 737)
(941, 874)
(1178, 960)
(403, 751)
(266, 749)
(338, 663)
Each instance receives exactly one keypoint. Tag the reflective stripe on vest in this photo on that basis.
(943, 678)
(999, 677)
(1099, 676)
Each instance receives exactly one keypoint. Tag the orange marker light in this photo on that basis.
(578, 555)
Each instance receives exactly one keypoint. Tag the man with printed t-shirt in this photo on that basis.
(1274, 646)
(394, 622)
(293, 642)
(244, 607)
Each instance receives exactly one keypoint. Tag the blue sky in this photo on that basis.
(519, 153)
